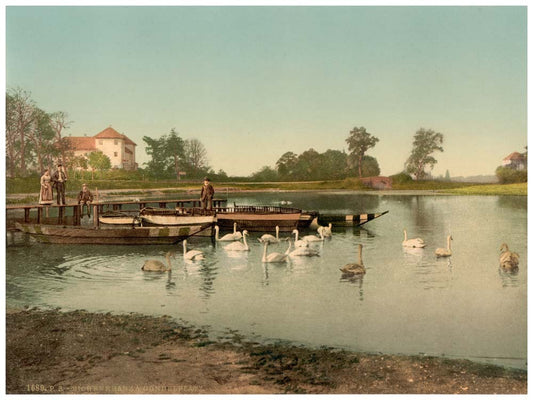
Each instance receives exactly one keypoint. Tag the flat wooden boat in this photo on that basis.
(119, 218)
(346, 220)
(109, 234)
(175, 217)
(258, 218)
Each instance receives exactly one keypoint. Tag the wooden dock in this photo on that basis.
(70, 214)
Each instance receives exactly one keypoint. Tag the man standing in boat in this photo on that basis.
(60, 178)
(85, 197)
(206, 195)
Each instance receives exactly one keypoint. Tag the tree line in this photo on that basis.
(35, 140)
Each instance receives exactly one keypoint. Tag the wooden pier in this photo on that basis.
(70, 214)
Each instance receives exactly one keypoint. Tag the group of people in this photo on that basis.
(58, 182)
(59, 178)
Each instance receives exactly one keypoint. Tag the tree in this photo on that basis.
(425, 143)
(195, 157)
(41, 139)
(98, 161)
(334, 165)
(167, 154)
(369, 166)
(59, 122)
(359, 142)
(265, 174)
(286, 165)
(20, 114)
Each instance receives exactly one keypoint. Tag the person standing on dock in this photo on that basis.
(46, 195)
(206, 195)
(60, 179)
(85, 197)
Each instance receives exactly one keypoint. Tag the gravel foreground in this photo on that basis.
(77, 352)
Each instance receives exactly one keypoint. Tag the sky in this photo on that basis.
(254, 82)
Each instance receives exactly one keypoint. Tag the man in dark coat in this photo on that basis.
(59, 180)
(206, 195)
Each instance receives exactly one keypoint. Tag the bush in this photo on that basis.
(400, 178)
(510, 175)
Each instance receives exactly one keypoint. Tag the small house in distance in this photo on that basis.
(118, 147)
(515, 161)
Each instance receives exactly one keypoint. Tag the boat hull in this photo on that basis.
(258, 222)
(58, 234)
(173, 220)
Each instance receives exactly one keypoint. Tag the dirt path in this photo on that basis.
(80, 352)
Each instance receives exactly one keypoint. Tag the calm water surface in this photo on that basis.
(408, 302)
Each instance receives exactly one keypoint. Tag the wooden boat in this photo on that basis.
(119, 218)
(109, 234)
(151, 216)
(258, 218)
(346, 220)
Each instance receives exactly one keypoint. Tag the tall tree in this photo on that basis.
(359, 142)
(195, 157)
(20, 114)
(286, 165)
(425, 143)
(59, 122)
(41, 138)
(174, 151)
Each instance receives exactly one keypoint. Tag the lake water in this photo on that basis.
(409, 302)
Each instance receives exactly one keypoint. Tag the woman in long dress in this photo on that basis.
(46, 195)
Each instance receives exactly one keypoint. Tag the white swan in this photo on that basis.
(355, 268)
(314, 238)
(303, 252)
(508, 259)
(193, 255)
(267, 237)
(416, 242)
(327, 230)
(299, 242)
(229, 237)
(158, 266)
(274, 257)
(447, 252)
(239, 246)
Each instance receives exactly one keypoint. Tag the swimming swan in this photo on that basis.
(314, 238)
(158, 266)
(193, 255)
(239, 246)
(355, 268)
(299, 243)
(229, 237)
(326, 230)
(417, 242)
(267, 237)
(274, 257)
(508, 259)
(303, 252)
(440, 252)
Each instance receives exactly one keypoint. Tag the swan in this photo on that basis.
(274, 257)
(440, 252)
(417, 242)
(191, 254)
(267, 237)
(229, 237)
(299, 243)
(304, 251)
(314, 238)
(326, 230)
(508, 259)
(158, 266)
(355, 268)
(239, 246)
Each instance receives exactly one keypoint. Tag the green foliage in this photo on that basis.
(369, 166)
(359, 142)
(401, 178)
(265, 174)
(510, 175)
(425, 143)
(99, 161)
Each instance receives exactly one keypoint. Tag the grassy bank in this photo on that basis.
(30, 187)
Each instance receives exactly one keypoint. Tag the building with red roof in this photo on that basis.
(516, 161)
(118, 147)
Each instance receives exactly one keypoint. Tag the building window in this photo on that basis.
(116, 142)
(100, 142)
(116, 154)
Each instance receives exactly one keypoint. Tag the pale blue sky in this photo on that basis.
(254, 82)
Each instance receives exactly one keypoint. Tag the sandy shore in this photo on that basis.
(79, 352)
